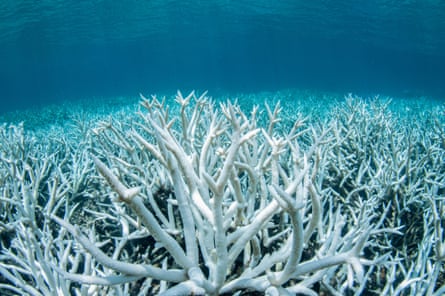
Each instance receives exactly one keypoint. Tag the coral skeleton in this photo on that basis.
(200, 198)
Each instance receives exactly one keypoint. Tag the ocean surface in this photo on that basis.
(53, 51)
(343, 162)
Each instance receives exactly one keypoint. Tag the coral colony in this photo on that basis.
(201, 198)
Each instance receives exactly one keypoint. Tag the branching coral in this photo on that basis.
(198, 198)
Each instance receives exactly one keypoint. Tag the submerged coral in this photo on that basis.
(197, 198)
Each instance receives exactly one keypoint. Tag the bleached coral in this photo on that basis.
(201, 198)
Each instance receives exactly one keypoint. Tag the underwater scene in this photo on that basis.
(160, 147)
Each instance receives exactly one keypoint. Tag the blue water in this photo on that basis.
(53, 50)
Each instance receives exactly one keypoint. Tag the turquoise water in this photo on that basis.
(351, 96)
(52, 51)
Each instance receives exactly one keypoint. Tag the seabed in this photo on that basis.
(279, 193)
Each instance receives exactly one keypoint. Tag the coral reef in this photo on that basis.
(200, 198)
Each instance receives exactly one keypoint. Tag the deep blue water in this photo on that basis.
(52, 50)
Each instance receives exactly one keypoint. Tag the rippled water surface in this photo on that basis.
(62, 50)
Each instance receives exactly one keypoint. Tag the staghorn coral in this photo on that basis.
(196, 198)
